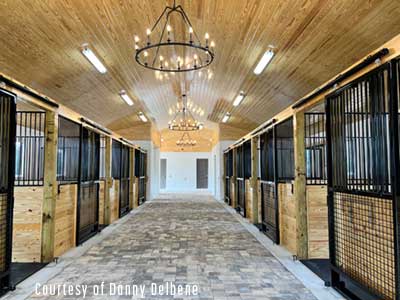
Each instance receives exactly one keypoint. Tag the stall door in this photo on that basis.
(360, 189)
(88, 189)
(269, 195)
(202, 173)
(7, 153)
(124, 182)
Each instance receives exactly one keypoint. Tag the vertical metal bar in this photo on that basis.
(275, 171)
(395, 159)
(331, 220)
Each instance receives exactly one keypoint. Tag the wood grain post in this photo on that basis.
(253, 180)
(108, 182)
(300, 186)
(132, 183)
(50, 187)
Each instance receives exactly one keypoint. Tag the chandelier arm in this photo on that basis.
(187, 20)
(160, 17)
(161, 37)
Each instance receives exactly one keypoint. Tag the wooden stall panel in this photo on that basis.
(65, 220)
(287, 216)
(317, 220)
(259, 204)
(248, 199)
(101, 201)
(114, 201)
(233, 194)
(27, 224)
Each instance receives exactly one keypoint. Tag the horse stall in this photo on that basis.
(88, 186)
(247, 175)
(363, 184)
(124, 177)
(140, 174)
(228, 164)
(28, 191)
(7, 173)
(269, 205)
(316, 192)
(240, 183)
(68, 153)
(115, 174)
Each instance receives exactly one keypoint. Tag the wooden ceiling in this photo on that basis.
(314, 39)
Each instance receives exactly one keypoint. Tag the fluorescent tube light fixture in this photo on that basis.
(239, 98)
(126, 97)
(93, 59)
(264, 61)
(226, 117)
(142, 117)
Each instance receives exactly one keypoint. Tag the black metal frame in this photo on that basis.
(140, 173)
(363, 196)
(30, 133)
(124, 182)
(228, 156)
(7, 187)
(269, 185)
(315, 148)
(89, 157)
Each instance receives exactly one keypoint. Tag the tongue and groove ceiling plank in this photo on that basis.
(314, 39)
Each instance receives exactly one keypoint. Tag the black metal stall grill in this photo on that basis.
(7, 160)
(360, 191)
(269, 195)
(240, 183)
(29, 148)
(88, 188)
(124, 207)
(68, 151)
(315, 148)
(140, 173)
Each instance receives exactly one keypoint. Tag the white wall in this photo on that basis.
(181, 171)
(217, 151)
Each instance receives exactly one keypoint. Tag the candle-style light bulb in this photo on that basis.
(191, 35)
(148, 32)
(136, 38)
(195, 60)
(169, 32)
(207, 37)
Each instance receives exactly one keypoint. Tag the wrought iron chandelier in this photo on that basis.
(174, 50)
(184, 120)
(186, 141)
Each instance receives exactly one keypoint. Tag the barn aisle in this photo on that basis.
(187, 240)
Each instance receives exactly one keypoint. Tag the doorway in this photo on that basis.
(202, 173)
(163, 173)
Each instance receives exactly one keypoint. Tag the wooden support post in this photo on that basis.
(300, 186)
(132, 183)
(253, 180)
(233, 180)
(108, 182)
(50, 187)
